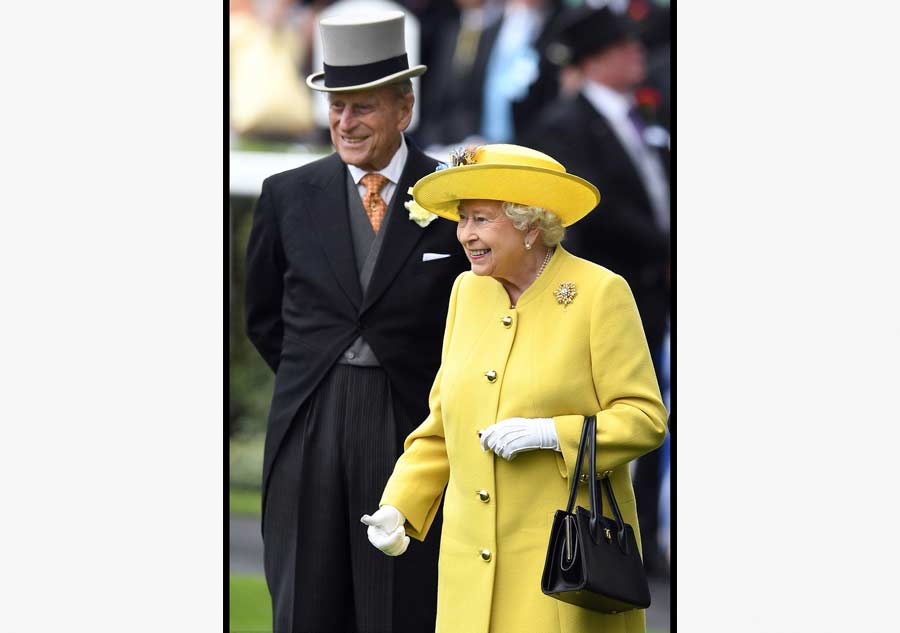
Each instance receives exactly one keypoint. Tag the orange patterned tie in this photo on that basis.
(374, 203)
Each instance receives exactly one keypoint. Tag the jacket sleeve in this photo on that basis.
(265, 269)
(420, 475)
(632, 418)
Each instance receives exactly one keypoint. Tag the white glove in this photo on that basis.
(512, 436)
(386, 530)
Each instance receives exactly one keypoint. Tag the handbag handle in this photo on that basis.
(589, 441)
(596, 498)
(582, 444)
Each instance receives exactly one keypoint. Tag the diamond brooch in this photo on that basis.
(565, 294)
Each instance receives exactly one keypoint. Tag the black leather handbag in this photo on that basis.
(593, 561)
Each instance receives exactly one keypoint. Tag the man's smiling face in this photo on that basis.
(366, 125)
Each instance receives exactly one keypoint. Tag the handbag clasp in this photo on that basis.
(607, 534)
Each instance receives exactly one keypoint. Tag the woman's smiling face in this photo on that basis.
(493, 245)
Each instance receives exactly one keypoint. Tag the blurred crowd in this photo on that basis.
(494, 65)
(555, 75)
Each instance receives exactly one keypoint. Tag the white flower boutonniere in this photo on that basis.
(417, 214)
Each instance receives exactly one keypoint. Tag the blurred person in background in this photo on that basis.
(269, 45)
(513, 64)
(600, 133)
(535, 340)
(346, 298)
(652, 22)
(665, 453)
(453, 92)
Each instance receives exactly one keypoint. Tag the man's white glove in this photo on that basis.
(512, 436)
(386, 530)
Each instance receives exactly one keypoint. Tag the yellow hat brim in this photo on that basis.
(568, 196)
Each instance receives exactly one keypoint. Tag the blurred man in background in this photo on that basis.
(513, 65)
(601, 134)
(453, 94)
(346, 302)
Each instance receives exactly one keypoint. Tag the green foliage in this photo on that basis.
(250, 379)
(318, 142)
(246, 502)
(245, 459)
(250, 607)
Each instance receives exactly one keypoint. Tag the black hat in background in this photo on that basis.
(586, 30)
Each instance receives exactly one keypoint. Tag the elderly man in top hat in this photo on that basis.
(347, 294)
(602, 135)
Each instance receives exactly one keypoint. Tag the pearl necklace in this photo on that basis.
(546, 261)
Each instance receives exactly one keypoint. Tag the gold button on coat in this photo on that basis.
(484, 495)
(486, 555)
(490, 375)
(507, 321)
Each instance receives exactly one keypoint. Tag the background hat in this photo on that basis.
(510, 173)
(585, 30)
(362, 52)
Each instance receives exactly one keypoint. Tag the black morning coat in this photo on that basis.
(304, 302)
(621, 233)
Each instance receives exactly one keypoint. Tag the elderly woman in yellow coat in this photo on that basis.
(535, 340)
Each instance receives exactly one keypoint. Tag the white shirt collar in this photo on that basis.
(612, 104)
(392, 172)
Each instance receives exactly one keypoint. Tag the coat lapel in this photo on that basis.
(328, 207)
(402, 233)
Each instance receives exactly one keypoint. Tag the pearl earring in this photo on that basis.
(527, 246)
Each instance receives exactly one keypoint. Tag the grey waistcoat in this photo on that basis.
(366, 246)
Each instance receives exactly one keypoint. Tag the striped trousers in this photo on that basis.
(323, 574)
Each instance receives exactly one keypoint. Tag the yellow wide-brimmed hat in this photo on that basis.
(510, 173)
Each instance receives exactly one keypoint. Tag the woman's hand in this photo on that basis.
(386, 530)
(512, 436)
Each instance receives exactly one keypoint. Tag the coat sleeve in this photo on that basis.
(417, 484)
(632, 418)
(265, 270)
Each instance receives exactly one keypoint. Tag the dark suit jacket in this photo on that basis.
(304, 301)
(452, 103)
(620, 233)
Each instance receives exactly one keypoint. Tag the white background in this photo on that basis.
(788, 323)
(111, 317)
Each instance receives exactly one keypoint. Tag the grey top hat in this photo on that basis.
(362, 52)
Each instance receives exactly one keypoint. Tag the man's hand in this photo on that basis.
(386, 530)
(512, 436)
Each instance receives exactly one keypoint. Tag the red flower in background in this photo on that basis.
(647, 98)
(638, 9)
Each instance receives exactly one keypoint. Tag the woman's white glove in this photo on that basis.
(512, 436)
(386, 530)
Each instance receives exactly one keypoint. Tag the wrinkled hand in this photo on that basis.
(512, 436)
(386, 530)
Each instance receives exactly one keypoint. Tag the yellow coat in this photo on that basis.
(589, 358)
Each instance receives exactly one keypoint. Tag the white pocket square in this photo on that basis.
(427, 257)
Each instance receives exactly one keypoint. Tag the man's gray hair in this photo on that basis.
(402, 88)
(525, 217)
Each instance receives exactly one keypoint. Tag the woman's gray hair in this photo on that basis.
(525, 217)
